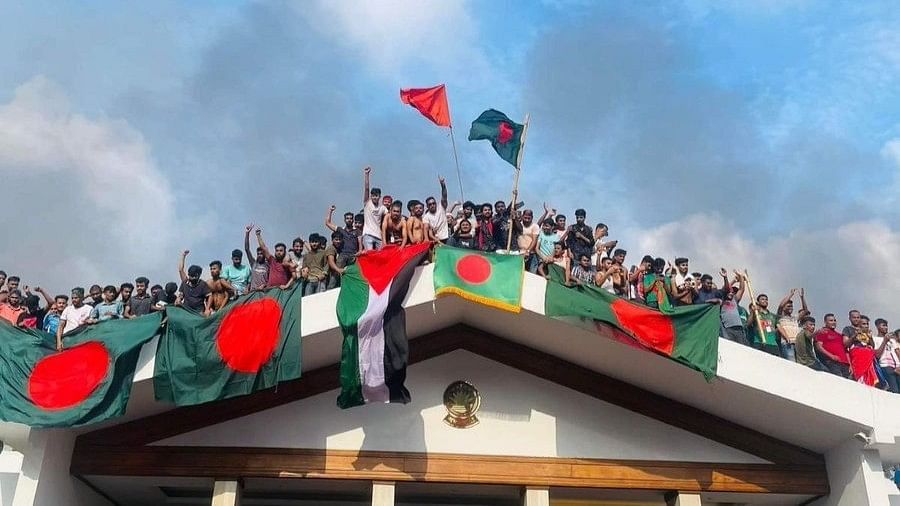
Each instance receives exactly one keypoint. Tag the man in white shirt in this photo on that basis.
(527, 240)
(73, 316)
(886, 347)
(436, 216)
(373, 214)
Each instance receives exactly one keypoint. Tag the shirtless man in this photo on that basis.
(220, 290)
(416, 229)
(393, 228)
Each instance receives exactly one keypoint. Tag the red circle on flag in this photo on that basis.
(67, 378)
(473, 269)
(652, 328)
(248, 335)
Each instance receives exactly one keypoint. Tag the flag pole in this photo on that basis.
(762, 333)
(515, 192)
(456, 159)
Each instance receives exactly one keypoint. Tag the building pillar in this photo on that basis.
(382, 493)
(537, 496)
(227, 493)
(682, 499)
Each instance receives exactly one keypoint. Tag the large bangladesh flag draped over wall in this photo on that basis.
(688, 334)
(370, 312)
(487, 278)
(251, 344)
(88, 382)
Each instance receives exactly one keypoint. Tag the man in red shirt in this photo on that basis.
(280, 271)
(831, 348)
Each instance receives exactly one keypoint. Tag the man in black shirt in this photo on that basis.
(580, 239)
(194, 291)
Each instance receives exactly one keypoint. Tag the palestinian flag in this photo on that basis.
(88, 382)
(251, 344)
(487, 278)
(687, 334)
(504, 134)
(370, 312)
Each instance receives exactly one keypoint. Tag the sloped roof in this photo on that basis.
(790, 402)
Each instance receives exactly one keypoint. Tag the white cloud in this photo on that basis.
(84, 200)
(394, 35)
(891, 151)
(853, 265)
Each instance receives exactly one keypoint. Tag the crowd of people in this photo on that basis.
(583, 254)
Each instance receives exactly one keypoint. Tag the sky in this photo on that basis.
(759, 135)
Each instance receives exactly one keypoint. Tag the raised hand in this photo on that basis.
(441, 180)
(333, 207)
(248, 228)
(723, 272)
(367, 170)
(185, 252)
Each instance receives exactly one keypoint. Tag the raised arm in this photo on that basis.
(45, 295)
(804, 310)
(262, 243)
(726, 284)
(444, 203)
(251, 258)
(366, 172)
(329, 224)
(181, 273)
(740, 293)
(787, 298)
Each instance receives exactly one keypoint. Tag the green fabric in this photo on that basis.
(501, 289)
(696, 327)
(190, 368)
(655, 293)
(351, 304)
(22, 349)
(769, 334)
(490, 126)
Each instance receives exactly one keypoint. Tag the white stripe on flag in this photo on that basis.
(371, 347)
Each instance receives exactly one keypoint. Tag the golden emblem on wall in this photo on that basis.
(462, 401)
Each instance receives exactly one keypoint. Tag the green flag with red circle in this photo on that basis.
(251, 344)
(89, 381)
(686, 334)
(487, 278)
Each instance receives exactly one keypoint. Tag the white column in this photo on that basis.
(227, 493)
(382, 493)
(537, 496)
(682, 499)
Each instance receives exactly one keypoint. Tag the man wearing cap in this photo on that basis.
(237, 273)
(373, 214)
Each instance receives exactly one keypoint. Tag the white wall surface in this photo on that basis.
(520, 415)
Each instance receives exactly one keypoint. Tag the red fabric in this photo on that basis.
(431, 102)
(248, 335)
(862, 364)
(651, 328)
(833, 342)
(380, 267)
(66, 378)
(506, 133)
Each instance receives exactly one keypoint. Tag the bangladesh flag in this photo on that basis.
(370, 312)
(504, 134)
(251, 344)
(88, 382)
(487, 278)
(687, 334)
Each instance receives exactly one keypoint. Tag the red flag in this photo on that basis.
(431, 102)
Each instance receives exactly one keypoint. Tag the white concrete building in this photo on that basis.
(567, 418)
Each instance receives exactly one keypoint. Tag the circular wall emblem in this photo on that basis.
(462, 401)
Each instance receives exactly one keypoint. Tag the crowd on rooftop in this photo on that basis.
(583, 253)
